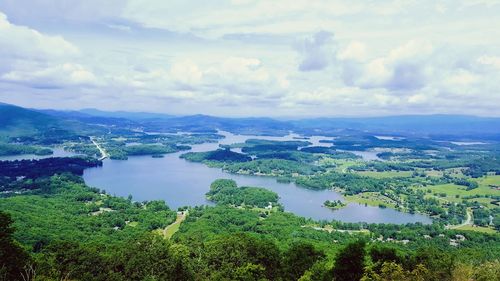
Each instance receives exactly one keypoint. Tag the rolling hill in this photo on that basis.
(17, 123)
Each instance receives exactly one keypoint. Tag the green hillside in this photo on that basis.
(17, 121)
(29, 126)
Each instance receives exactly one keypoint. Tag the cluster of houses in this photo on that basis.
(453, 241)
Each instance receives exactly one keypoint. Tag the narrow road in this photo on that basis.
(468, 221)
(103, 152)
(169, 231)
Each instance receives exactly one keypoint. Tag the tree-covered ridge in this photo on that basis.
(366, 142)
(227, 192)
(273, 149)
(331, 151)
(21, 125)
(121, 152)
(272, 167)
(63, 208)
(254, 146)
(16, 121)
(180, 138)
(46, 167)
(220, 155)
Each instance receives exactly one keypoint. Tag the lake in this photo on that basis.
(183, 183)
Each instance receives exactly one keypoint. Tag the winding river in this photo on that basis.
(183, 183)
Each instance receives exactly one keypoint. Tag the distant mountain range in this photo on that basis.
(125, 114)
(432, 125)
(437, 126)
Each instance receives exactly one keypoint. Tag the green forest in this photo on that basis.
(54, 226)
(61, 229)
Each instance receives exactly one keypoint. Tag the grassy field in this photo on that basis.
(444, 199)
(452, 189)
(477, 228)
(330, 229)
(341, 165)
(456, 172)
(385, 174)
(489, 180)
(371, 199)
(485, 201)
(433, 173)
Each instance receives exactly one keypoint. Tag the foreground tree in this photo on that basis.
(350, 262)
(299, 258)
(241, 257)
(391, 271)
(13, 258)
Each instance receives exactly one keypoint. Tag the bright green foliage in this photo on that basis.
(226, 192)
(147, 257)
(77, 233)
(391, 271)
(334, 204)
(73, 212)
(240, 257)
(352, 183)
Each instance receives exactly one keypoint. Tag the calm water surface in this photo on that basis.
(181, 183)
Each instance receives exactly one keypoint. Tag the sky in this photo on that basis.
(276, 58)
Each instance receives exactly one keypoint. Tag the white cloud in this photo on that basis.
(62, 11)
(461, 78)
(186, 72)
(493, 61)
(404, 68)
(229, 80)
(38, 60)
(316, 51)
(22, 41)
(254, 57)
(355, 50)
(226, 17)
(417, 99)
(54, 76)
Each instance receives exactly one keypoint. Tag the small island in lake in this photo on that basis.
(334, 205)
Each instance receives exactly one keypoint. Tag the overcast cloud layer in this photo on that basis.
(253, 58)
